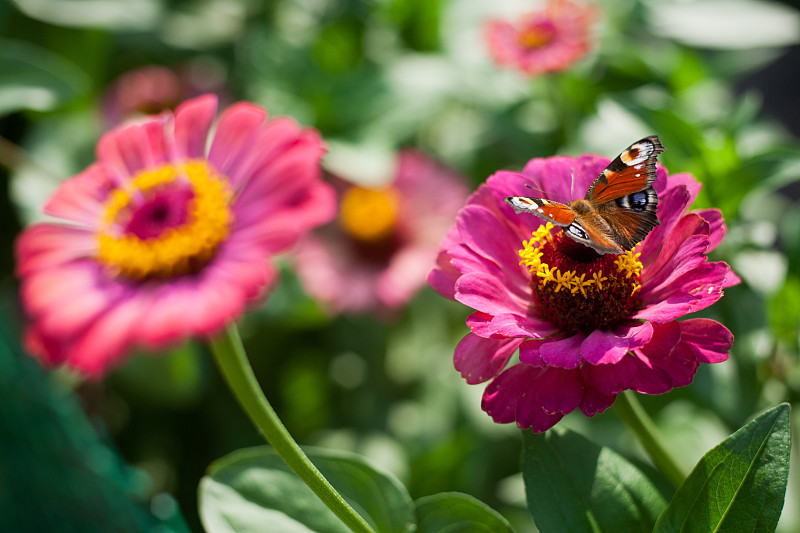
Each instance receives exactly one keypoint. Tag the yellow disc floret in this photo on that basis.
(369, 215)
(576, 288)
(180, 248)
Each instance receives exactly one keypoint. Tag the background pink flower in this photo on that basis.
(546, 41)
(378, 253)
(150, 89)
(587, 326)
(169, 234)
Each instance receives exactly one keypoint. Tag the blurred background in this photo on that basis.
(715, 79)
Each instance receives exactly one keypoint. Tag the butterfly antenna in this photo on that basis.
(572, 183)
(548, 194)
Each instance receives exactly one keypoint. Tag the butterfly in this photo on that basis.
(619, 209)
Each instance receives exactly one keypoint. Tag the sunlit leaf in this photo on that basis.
(452, 512)
(33, 78)
(254, 490)
(107, 14)
(738, 485)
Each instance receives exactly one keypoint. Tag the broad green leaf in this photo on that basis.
(574, 485)
(56, 472)
(132, 15)
(739, 485)
(254, 490)
(36, 79)
(454, 512)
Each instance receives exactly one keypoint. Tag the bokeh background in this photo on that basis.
(715, 79)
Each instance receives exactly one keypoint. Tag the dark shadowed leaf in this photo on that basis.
(574, 485)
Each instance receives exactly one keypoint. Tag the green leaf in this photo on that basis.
(254, 490)
(738, 485)
(574, 485)
(36, 79)
(454, 512)
(57, 473)
(131, 15)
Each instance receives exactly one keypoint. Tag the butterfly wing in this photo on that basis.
(623, 194)
(555, 212)
(632, 171)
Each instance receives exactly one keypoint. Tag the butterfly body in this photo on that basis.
(619, 209)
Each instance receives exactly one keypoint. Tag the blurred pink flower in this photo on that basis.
(587, 326)
(169, 234)
(378, 254)
(546, 41)
(151, 89)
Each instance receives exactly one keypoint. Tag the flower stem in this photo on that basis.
(232, 361)
(633, 414)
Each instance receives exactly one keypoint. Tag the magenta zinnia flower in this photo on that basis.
(377, 255)
(169, 234)
(587, 326)
(546, 41)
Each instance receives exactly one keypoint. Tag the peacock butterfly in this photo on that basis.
(619, 209)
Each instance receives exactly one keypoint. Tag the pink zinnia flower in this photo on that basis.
(546, 41)
(169, 234)
(377, 255)
(587, 326)
(150, 89)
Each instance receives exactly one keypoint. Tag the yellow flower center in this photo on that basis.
(536, 36)
(576, 288)
(166, 222)
(369, 215)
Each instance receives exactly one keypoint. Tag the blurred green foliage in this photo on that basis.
(374, 76)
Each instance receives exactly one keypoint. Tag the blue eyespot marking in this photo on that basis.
(638, 200)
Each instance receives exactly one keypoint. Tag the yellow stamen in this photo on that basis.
(177, 250)
(627, 265)
(369, 214)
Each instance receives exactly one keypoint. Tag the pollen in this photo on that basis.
(576, 288)
(165, 222)
(369, 215)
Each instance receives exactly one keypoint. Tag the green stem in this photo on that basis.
(633, 414)
(232, 362)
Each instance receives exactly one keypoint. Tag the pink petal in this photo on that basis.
(509, 325)
(479, 359)
(530, 353)
(610, 379)
(106, 341)
(671, 206)
(564, 353)
(680, 366)
(133, 147)
(716, 226)
(559, 390)
(82, 197)
(484, 234)
(506, 400)
(271, 144)
(237, 127)
(595, 401)
(442, 278)
(708, 340)
(192, 123)
(405, 274)
(665, 338)
(488, 294)
(670, 308)
(608, 347)
(44, 246)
